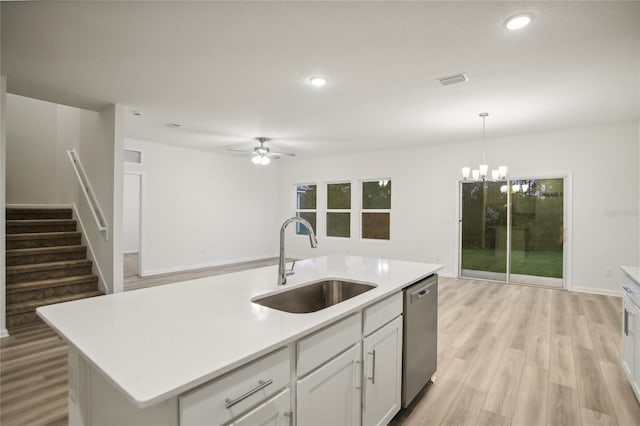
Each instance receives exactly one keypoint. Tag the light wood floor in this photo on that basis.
(132, 281)
(507, 355)
(518, 355)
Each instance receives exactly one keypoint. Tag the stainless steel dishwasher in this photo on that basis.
(420, 333)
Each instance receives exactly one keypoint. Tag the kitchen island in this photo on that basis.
(137, 357)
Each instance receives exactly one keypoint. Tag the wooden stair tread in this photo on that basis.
(41, 221)
(41, 250)
(54, 282)
(17, 308)
(47, 266)
(39, 235)
(38, 212)
(39, 209)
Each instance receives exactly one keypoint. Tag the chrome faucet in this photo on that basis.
(282, 271)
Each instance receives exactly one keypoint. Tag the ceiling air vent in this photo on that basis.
(453, 79)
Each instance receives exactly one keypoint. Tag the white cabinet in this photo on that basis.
(331, 394)
(230, 396)
(275, 412)
(382, 354)
(630, 332)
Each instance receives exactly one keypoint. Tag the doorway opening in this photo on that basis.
(514, 231)
(132, 225)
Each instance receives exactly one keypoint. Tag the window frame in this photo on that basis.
(327, 210)
(296, 210)
(139, 151)
(363, 210)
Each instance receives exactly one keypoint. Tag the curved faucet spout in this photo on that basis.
(282, 272)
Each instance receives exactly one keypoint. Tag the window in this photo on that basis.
(376, 209)
(132, 156)
(339, 210)
(306, 207)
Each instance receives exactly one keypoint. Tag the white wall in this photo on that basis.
(201, 209)
(39, 172)
(603, 163)
(131, 213)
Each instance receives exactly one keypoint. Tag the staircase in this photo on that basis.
(46, 263)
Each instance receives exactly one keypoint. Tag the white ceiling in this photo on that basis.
(231, 71)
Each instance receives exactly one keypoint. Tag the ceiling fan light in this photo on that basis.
(255, 159)
(264, 160)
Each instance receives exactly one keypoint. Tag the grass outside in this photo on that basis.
(540, 264)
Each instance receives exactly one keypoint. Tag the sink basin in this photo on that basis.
(314, 296)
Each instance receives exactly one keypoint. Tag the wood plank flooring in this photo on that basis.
(132, 281)
(507, 355)
(525, 356)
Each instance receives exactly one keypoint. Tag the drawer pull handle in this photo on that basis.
(261, 385)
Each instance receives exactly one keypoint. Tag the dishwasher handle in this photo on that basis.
(421, 292)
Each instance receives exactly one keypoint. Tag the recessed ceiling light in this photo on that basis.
(518, 21)
(173, 125)
(317, 81)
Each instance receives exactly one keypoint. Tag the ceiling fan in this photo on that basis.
(261, 154)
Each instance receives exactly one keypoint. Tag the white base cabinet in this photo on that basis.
(275, 412)
(631, 340)
(382, 354)
(331, 394)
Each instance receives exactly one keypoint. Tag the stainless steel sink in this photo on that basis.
(313, 296)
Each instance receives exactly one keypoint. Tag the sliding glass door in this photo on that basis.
(513, 231)
(537, 231)
(484, 230)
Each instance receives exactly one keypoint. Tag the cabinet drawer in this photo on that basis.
(328, 342)
(225, 398)
(382, 312)
(276, 411)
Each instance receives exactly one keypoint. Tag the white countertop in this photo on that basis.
(156, 343)
(633, 272)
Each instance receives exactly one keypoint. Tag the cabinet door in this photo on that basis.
(275, 412)
(628, 338)
(382, 354)
(634, 329)
(331, 394)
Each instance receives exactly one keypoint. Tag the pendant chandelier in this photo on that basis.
(481, 172)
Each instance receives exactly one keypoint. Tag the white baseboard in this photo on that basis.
(101, 282)
(131, 252)
(205, 265)
(447, 274)
(4, 333)
(602, 292)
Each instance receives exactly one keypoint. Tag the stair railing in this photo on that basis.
(87, 190)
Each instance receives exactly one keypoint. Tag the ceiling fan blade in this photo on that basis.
(239, 150)
(288, 154)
